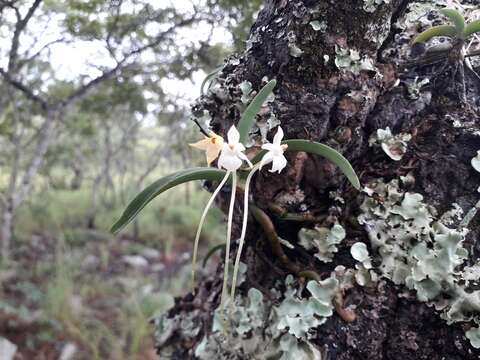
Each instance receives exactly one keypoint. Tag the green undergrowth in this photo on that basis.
(71, 285)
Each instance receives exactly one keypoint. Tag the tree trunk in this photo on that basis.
(92, 211)
(20, 186)
(6, 231)
(327, 92)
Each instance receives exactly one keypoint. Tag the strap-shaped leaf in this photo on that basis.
(162, 185)
(248, 117)
(327, 152)
(472, 28)
(209, 78)
(212, 251)
(457, 19)
(440, 30)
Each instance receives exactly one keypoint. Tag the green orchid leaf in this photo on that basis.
(471, 28)
(212, 251)
(440, 30)
(209, 78)
(248, 117)
(322, 150)
(457, 19)
(162, 185)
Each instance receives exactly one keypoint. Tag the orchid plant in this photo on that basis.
(231, 157)
(455, 54)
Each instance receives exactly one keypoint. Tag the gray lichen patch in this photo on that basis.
(476, 161)
(372, 5)
(416, 249)
(350, 60)
(246, 88)
(257, 328)
(395, 146)
(323, 241)
(319, 25)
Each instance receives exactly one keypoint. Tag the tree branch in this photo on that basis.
(19, 27)
(120, 64)
(46, 135)
(44, 47)
(23, 88)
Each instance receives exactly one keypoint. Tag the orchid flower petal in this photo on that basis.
(268, 147)
(266, 159)
(212, 154)
(244, 157)
(233, 135)
(201, 145)
(279, 163)
(229, 159)
(211, 145)
(277, 139)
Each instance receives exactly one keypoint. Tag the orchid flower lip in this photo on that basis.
(232, 153)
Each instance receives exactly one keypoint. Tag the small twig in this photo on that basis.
(202, 130)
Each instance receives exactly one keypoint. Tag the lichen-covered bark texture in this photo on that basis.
(324, 96)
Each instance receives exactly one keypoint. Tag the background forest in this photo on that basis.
(94, 103)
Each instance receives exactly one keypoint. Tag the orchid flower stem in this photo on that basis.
(244, 229)
(200, 226)
(229, 236)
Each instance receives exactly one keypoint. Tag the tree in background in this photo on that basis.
(139, 42)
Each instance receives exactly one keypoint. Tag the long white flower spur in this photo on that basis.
(231, 159)
(275, 156)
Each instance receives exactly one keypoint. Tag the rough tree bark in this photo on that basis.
(333, 103)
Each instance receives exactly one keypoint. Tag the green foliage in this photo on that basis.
(434, 31)
(472, 28)
(327, 152)
(209, 79)
(459, 30)
(457, 19)
(247, 120)
(162, 185)
(115, 93)
(211, 252)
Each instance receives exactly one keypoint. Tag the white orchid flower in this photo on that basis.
(232, 156)
(275, 153)
(275, 156)
(231, 159)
